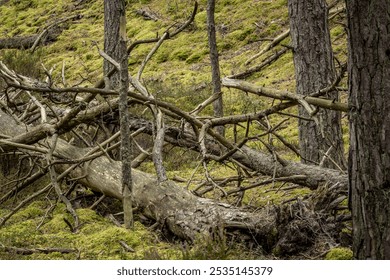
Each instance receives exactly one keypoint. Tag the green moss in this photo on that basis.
(181, 54)
(195, 57)
(34, 210)
(240, 35)
(339, 254)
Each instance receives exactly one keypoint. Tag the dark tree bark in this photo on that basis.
(314, 70)
(369, 154)
(115, 46)
(111, 37)
(215, 72)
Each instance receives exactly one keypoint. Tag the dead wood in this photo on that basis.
(30, 251)
(284, 229)
(147, 14)
(284, 95)
(47, 36)
(308, 175)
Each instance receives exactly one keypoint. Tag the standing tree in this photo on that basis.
(215, 73)
(320, 140)
(115, 47)
(369, 154)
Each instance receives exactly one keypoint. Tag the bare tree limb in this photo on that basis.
(284, 95)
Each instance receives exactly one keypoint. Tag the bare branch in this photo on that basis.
(285, 95)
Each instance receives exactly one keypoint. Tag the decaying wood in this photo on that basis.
(285, 229)
(30, 251)
(255, 160)
(308, 175)
(47, 36)
(26, 42)
(147, 14)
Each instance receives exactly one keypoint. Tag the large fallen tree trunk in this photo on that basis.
(284, 229)
(309, 175)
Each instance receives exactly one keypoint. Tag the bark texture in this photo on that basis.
(115, 15)
(111, 37)
(215, 72)
(369, 161)
(314, 70)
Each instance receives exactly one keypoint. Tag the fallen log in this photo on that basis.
(283, 229)
(26, 42)
(310, 175)
(47, 36)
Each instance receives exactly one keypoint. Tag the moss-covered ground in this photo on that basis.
(179, 72)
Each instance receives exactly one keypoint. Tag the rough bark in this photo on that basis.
(286, 229)
(369, 161)
(314, 70)
(111, 38)
(115, 39)
(215, 72)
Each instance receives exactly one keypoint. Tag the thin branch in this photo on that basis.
(274, 42)
(149, 56)
(285, 95)
(54, 182)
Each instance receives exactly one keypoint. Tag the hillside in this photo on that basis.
(179, 73)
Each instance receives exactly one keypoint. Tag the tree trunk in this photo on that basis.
(308, 175)
(115, 15)
(111, 37)
(285, 229)
(314, 69)
(369, 154)
(215, 72)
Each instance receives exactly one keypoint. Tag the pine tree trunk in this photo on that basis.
(314, 70)
(111, 37)
(216, 76)
(369, 161)
(115, 46)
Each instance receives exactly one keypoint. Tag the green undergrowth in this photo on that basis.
(182, 60)
(98, 238)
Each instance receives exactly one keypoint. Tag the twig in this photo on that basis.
(114, 220)
(39, 104)
(48, 28)
(275, 42)
(96, 203)
(296, 178)
(26, 182)
(126, 247)
(23, 203)
(150, 54)
(259, 67)
(54, 182)
(28, 251)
